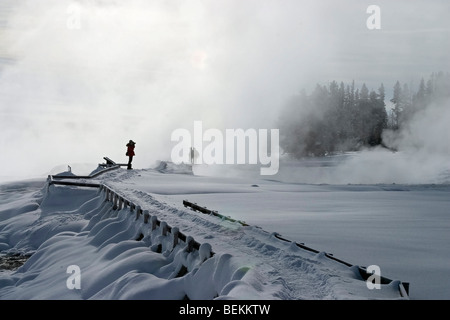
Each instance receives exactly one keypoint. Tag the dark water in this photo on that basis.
(12, 262)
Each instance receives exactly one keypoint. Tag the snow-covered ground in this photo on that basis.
(402, 229)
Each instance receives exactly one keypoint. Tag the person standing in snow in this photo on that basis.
(191, 155)
(130, 152)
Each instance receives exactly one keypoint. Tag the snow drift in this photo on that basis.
(88, 233)
(119, 255)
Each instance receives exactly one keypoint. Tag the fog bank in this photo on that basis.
(78, 79)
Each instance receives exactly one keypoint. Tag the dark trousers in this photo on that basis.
(130, 159)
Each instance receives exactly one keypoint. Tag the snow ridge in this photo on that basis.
(102, 242)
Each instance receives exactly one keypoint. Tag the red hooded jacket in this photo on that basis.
(130, 150)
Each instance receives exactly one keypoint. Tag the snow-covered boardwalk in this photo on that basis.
(129, 243)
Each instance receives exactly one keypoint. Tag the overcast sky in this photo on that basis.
(78, 79)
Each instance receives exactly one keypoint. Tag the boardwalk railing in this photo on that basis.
(120, 202)
(403, 286)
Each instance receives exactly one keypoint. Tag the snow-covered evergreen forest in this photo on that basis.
(342, 117)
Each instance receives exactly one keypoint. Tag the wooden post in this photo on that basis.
(120, 203)
(190, 244)
(115, 198)
(153, 220)
(205, 251)
(175, 233)
(138, 212)
(146, 216)
(163, 227)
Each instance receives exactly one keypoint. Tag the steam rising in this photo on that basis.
(421, 155)
(78, 79)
